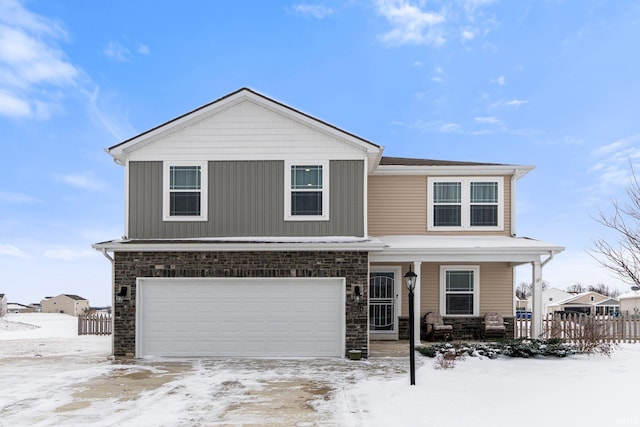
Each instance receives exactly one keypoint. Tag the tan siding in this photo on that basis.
(496, 287)
(398, 206)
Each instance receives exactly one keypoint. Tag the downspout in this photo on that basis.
(113, 291)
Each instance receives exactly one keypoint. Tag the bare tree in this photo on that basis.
(576, 288)
(523, 290)
(622, 257)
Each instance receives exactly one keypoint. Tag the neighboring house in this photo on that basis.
(3, 305)
(586, 302)
(14, 307)
(550, 296)
(65, 303)
(630, 303)
(253, 229)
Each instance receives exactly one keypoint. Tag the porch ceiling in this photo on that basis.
(516, 250)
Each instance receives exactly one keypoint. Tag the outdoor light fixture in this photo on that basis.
(357, 296)
(410, 280)
(120, 295)
(635, 288)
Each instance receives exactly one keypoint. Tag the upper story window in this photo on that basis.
(185, 191)
(465, 203)
(307, 191)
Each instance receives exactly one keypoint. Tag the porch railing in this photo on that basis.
(575, 327)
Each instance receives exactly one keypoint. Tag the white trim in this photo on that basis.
(476, 288)
(465, 202)
(454, 170)
(242, 244)
(397, 284)
(365, 197)
(325, 190)
(126, 199)
(204, 191)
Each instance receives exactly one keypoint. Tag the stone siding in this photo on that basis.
(353, 266)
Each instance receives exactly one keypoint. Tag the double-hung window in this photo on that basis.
(460, 290)
(465, 203)
(306, 191)
(185, 191)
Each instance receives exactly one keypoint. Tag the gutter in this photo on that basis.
(106, 254)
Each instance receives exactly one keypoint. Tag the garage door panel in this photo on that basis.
(240, 317)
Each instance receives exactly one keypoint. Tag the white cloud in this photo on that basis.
(515, 102)
(501, 80)
(318, 11)
(488, 120)
(8, 197)
(12, 251)
(410, 24)
(32, 67)
(118, 52)
(468, 35)
(67, 254)
(613, 163)
(84, 181)
(143, 49)
(450, 127)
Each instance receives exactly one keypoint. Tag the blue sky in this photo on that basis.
(554, 84)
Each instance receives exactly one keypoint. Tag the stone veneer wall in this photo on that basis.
(353, 266)
(464, 328)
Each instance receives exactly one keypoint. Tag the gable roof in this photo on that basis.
(119, 150)
(75, 297)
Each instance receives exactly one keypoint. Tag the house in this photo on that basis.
(550, 296)
(3, 305)
(14, 308)
(254, 229)
(630, 303)
(65, 303)
(586, 302)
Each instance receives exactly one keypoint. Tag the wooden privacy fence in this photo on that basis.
(94, 324)
(578, 327)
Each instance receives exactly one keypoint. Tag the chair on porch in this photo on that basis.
(434, 327)
(493, 325)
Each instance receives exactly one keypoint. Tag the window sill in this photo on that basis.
(185, 219)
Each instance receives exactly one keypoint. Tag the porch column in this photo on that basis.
(536, 299)
(416, 303)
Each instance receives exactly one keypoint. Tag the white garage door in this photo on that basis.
(240, 317)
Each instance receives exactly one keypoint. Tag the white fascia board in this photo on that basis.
(195, 246)
(517, 170)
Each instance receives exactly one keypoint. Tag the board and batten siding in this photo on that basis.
(496, 287)
(246, 198)
(397, 205)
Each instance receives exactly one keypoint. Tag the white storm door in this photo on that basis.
(383, 303)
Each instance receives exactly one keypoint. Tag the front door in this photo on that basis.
(383, 300)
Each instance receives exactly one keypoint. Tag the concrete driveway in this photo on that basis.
(89, 389)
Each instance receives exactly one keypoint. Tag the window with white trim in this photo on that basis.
(185, 191)
(465, 203)
(307, 191)
(460, 290)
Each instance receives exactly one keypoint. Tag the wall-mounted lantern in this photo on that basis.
(121, 295)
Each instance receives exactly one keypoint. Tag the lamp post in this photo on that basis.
(410, 282)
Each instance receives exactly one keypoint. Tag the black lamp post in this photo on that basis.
(410, 281)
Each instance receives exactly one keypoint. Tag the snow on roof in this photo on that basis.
(468, 242)
(629, 295)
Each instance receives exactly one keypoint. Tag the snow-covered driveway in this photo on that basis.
(51, 377)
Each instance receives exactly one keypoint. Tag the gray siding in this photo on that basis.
(246, 198)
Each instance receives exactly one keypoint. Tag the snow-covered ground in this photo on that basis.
(51, 377)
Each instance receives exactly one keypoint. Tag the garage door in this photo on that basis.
(240, 317)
